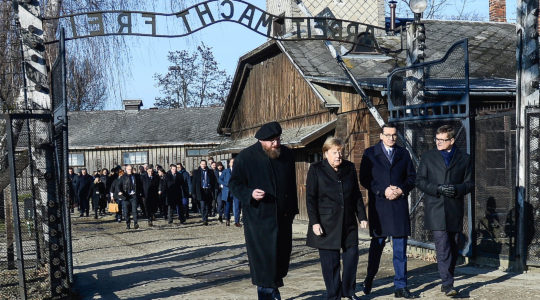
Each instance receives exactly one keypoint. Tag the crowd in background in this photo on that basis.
(152, 192)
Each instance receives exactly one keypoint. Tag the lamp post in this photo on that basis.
(416, 44)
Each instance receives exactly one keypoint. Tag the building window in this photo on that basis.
(76, 159)
(135, 158)
(197, 152)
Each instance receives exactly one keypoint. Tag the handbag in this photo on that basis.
(113, 207)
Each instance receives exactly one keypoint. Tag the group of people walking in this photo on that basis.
(264, 181)
(157, 191)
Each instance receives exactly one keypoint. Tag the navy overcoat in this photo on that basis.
(387, 217)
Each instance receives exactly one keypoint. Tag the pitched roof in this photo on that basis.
(492, 61)
(491, 52)
(149, 127)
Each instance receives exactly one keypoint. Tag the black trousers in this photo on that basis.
(130, 207)
(336, 287)
(446, 248)
(206, 201)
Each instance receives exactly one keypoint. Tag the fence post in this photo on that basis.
(15, 207)
(10, 246)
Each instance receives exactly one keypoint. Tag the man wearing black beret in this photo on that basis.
(264, 180)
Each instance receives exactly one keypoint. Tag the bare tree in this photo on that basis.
(11, 79)
(207, 77)
(193, 79)
(86, 86)
(177, 83)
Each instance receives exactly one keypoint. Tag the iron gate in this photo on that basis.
(33, 238)
(421, 98)
(495, 181)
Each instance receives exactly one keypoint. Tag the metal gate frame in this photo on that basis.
(456, 110)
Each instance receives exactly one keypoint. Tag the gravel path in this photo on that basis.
(192, 261)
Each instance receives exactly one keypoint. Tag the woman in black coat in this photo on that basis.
(117, 198)
(98, 193)
(162, 192)
(334, 204)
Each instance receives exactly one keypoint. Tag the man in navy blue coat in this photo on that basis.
(388, 174)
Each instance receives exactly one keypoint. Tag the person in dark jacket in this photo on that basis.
(175, 182)
(387, 172)
(220, 205)
(264, 179)
(115, 190)
(98, 192)
(84, 186)
(445, 176)
(227, 197)
(72, 186)
(186, 190)
(203, 183)
(104, 178)
(130, 188)
(162, 192)
(150, 185)
(335, 206)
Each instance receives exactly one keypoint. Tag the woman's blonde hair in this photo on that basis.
(332, 141)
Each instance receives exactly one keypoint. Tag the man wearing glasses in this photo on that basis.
(388, 174)
(445, 176)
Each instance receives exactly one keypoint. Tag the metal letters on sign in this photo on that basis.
(204, 14)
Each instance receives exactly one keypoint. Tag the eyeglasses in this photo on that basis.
(276, 140)
(390, 136)
(441, 140)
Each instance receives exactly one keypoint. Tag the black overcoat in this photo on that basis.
(197, 182)
(268, 222)
(387, 217)
(84, 187)
(150, 188)
(335, 202)
(442, 213)
(174, 188)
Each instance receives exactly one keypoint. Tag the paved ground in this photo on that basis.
(192, 261)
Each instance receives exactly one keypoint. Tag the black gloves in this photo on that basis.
(447, 190)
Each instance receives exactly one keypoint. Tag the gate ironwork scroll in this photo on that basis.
(443, 99)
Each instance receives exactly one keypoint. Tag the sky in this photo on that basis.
(229, 41)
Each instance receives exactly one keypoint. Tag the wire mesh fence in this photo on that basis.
(532, 205)
(32, 243)
(495, 179)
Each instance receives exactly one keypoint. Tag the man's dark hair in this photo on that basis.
(448, 129)
(388, 125)
(172, 165)
(204, 160)
(70, 168)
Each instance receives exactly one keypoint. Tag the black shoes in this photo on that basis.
(353, 297)
(237, 224)
(404, 293)
(368, 283)
(205, 223)
(128, 226)
(220, 219)
(227, 223)
(448, 290)
(136, 226)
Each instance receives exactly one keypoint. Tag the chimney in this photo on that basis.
(497, 10)
(132, 105)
